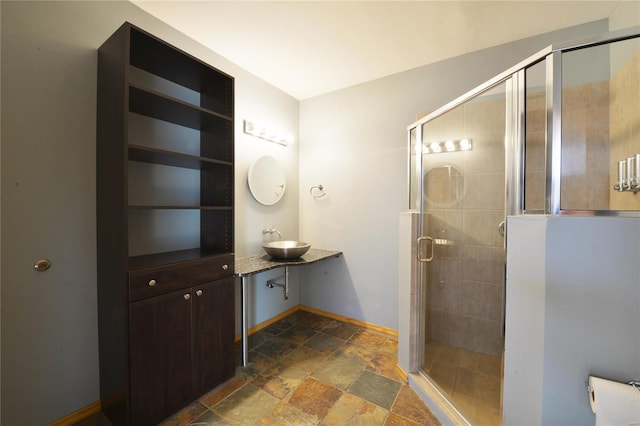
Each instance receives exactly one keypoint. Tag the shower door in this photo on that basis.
(462, 253)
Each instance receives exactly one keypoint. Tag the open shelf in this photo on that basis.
(157, 105)
(158, 58)
(157, 259)
(158, 229)
(178, 207)
(168, 158)
(216, 131)
(209, 183)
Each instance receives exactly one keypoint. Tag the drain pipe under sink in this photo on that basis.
(285, 286)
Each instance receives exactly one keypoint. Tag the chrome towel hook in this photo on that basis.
(317, 191)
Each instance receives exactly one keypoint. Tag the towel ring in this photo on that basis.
(317, 192)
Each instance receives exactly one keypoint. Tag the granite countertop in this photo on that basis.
(245, 266)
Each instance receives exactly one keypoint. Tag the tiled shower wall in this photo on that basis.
(600, 126)
(464, 192)
(585, 147)
(625, 127)
(535, 131)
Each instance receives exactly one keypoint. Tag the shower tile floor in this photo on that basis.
(307, 369)
(472, 380)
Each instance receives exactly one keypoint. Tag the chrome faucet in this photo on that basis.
(272, 231)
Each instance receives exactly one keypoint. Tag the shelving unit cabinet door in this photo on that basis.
(160, 356)
(213, 334)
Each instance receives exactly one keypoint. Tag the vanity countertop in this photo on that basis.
(250, 265)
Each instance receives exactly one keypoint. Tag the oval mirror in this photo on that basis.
(267, 180)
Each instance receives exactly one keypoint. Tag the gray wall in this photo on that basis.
(355, 144)
(573, 293)
(592, 314)
(524, 320)
(49, 320)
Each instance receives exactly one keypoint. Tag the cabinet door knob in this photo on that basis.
(225, 267)
(186, 296)
(198, 292)
(152, 283)
(42, 265)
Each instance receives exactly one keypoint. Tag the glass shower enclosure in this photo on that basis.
(557, 134)
(463, 252)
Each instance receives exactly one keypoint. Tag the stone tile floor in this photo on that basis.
(307, 369)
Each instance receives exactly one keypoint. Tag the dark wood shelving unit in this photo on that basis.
(166, 318)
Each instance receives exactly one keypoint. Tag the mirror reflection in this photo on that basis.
(267, 180)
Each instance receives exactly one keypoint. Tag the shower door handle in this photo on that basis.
(419, 241)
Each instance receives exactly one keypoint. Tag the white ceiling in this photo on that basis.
(307, 48)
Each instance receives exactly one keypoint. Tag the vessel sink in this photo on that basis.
(286, 249)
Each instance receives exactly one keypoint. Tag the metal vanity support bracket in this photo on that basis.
(248, 266)
(244, 325)
(285, 287)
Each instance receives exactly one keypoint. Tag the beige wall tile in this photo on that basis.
(445, 294)
(534, 195)
(482, 300)
(480, 227)
(625, 127)
(447, 328)
(585, 147)
(486, 335)
(484, 264)
(446, 224)
(487, 156)
(484, 191)
(535, 150)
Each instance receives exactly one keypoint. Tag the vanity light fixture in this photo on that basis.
(447, 146)
(267, 132)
